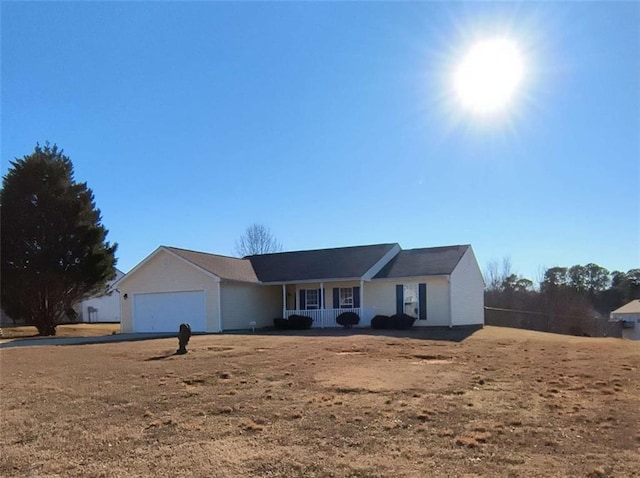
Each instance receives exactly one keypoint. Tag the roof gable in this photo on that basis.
(322, 264)
(427, 261)
(224, 267)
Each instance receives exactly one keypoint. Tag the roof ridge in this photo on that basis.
(324, 249)
(435, 247)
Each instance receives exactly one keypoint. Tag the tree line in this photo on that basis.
(565, 299)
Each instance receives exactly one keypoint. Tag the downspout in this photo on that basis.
(450, 302)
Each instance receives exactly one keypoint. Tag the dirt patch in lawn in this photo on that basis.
(66, 330)
(499, 403)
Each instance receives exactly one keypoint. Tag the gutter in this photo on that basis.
(313, 281)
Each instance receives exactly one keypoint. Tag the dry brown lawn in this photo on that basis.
(67, 330)
(499, 403)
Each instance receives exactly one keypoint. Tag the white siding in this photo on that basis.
(467, 292)
(244, 302)
(381, 296)
(106, 308)
(167, 273)
(631, 333)
(437, 303)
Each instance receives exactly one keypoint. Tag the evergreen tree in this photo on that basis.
(53, 246)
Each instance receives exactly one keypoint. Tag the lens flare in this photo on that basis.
(488, 77)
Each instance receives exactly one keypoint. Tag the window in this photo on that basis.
(346, 297)
(312, 299)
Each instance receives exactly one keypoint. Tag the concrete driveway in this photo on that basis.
(102, 339)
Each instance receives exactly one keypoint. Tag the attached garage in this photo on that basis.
(164, 312)
(173, 286)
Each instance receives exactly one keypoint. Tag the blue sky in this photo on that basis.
(335, 124)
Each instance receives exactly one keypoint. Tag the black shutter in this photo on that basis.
(399, 299)
(422, 301)
(356, 297)
(303, 299)
(336, 298)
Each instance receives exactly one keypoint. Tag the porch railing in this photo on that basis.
(327, 317)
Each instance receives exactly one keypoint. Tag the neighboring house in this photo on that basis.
(5, 320)
(102, 308)
(440, 286)
(629, 315)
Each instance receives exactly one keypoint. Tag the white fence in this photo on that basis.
(327, 317)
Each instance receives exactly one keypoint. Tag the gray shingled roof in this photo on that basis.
(423, 262)
(338, 263)
(230, 268)
(323, 264)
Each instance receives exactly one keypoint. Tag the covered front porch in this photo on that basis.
(325, 301)
(323, 318)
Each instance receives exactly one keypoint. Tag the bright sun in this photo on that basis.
(488, 76)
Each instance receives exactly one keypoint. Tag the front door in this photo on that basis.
(411, 304)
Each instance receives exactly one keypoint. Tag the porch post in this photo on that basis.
(321, 305)
(284, 301)
(361, 297)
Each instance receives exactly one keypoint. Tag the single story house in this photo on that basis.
(629, 315)
(440, 286)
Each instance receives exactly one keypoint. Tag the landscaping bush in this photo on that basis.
(348, 319)
(300, 322)
(280, 324)
(402, 321)
(380, 322)
(395, 322)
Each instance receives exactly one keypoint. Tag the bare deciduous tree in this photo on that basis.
(257, 239)
(495, 277)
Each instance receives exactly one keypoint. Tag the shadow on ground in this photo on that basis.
(161, 357)
(455, 334)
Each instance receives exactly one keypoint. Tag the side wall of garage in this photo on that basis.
(243, 303)
(167, 273)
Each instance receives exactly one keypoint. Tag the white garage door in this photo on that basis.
(165, 312)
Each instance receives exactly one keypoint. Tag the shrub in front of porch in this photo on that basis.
(348, 319)
(300, 322)
(395, 322)
(402, 321)
(381, 322)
